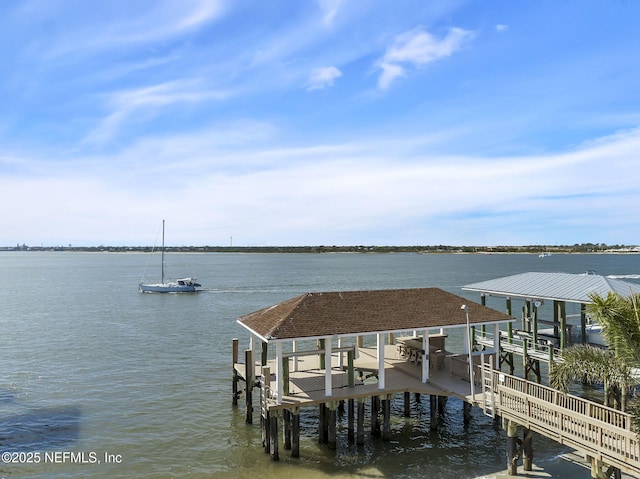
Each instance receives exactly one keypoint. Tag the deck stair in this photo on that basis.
(488, 407)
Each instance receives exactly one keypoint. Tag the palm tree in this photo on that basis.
(620, 320)
(592, 365)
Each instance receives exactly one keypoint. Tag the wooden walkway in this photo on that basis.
(595, 430)
(524, 344)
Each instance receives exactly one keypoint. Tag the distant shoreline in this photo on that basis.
(532, 249)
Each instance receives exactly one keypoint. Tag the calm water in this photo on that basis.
(89, 365)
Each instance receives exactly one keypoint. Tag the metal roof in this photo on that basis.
(567, 287)
(317, 315)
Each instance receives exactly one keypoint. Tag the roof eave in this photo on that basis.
(258, 335)
(371, 333)
(503, 294)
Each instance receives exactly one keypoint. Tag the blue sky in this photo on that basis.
(320, 122)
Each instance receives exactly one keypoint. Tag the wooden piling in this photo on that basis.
(234, 361)
(350, 419)
(250, 382)
(512, 447)
(466, 413)
(407, 404)
(274, 436)
(321, 356)
(234, 388)
(375, 420)
(331, 425)
(322, 423)
(295, 439)
(442, 404)
(433, 411)
(286, 419)
(527, 450)
(266, 432)
(386, 415)
(360, 422)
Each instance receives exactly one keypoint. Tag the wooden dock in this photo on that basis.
(307, 385)
(409, 328)
(603, 434)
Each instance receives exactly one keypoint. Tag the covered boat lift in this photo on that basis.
(539, 339)
(561, 288)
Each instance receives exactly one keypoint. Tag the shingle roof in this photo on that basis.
(554, 286)
(314, 315)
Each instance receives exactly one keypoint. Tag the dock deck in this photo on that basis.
(595, 430)
(307, 384)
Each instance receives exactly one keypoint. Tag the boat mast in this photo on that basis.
(162, 282)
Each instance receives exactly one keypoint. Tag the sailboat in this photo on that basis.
(183, 285)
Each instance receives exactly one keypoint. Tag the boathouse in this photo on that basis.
(542, 338)
(327, 348)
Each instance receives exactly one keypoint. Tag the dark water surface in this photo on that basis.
(98, 380)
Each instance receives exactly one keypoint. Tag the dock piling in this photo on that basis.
(360, 422)
(527, 450)
(466, 413)
(386, 418)
(350, 419)
(295, 439)
(512, 447)
(249, 384)
(234, 361)
(331, 425)
(433, 410)
(273, 426)
(286, 419)
(375, 420)
(407, 404)
(322, 424)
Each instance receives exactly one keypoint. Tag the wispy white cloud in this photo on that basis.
(416, 48)
(149, 101)
(501, 27)
(327, 193)
(323, 77)
(139, 23)
(329, 10)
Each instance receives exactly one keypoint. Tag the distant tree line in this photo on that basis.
(576, 248)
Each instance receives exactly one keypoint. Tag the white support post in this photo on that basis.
(340, 355)
(496, 339)
(380, 338)
(279, 379)
(327, 368)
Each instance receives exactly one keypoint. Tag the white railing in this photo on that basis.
(522, 342)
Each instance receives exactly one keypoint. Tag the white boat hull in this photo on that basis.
(595, 336)
(187, 285)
